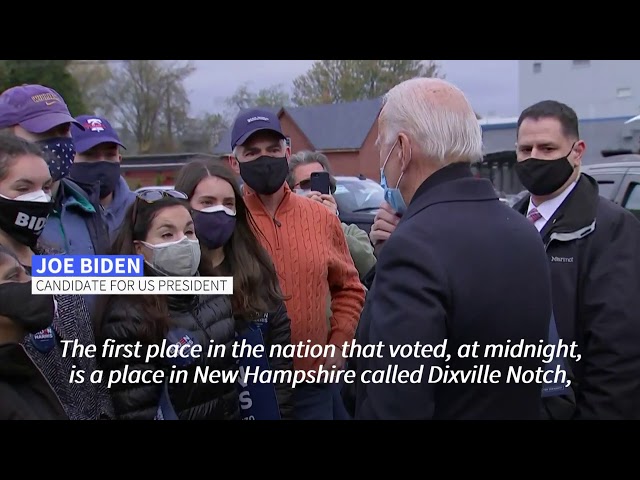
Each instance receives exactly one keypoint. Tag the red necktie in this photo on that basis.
(534, 215)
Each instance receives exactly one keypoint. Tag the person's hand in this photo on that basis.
(338, 360)
(384, 223)
(327, 200)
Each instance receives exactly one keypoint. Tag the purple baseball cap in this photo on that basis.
(251, 121)
(95, 130)
(34, 107)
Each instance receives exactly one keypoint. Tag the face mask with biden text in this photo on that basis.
(23, 218)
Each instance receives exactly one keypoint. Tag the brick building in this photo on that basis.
(344, 132)
(153, 170)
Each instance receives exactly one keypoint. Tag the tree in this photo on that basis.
(92, 77)
(148, 98)
(49, 73)
(338, 81)
(244, 97)
(202, 134)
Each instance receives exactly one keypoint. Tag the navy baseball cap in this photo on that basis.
(251, 121)
(96, 130)
(35, 108)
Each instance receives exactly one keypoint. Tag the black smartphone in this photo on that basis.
(320, 182)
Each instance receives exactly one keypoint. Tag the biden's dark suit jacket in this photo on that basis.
(463, 267)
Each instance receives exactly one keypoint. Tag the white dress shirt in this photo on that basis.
(548, 208)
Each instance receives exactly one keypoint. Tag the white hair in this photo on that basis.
(441, 133)
(283, 143)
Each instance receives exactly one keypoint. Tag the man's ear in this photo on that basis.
(405, 151)
(233, 163)
(580, 148)
(119, 158)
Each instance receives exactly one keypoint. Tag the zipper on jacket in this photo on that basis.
(46, 380)
(277, 224)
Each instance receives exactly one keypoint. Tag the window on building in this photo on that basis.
(581, 63)
(537, 67)
(623, 92)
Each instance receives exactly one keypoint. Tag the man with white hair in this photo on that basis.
(451, 273)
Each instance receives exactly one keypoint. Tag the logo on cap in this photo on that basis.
(94, 124)
(255, 119)
(48, 98)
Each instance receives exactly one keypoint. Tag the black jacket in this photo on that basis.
(279, 333)
(25, 394)
(208, 319)
(592, 246)
(448, 272)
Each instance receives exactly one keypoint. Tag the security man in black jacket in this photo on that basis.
(592, 245)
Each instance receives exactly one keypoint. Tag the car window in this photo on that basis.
(607, 189)
(633, 200)
(358, 195)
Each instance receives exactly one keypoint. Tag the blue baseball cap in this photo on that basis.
(95, 130)
(35, 108)
(251, 121)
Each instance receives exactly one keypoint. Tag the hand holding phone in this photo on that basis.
(320, 182)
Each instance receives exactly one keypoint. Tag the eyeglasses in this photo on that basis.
(151, 196)
(305, 184)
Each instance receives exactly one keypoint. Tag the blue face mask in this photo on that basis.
(60, 153)
(392, 195)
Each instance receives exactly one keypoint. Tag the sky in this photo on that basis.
(490, 85)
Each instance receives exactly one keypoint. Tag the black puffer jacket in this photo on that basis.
(206, 318)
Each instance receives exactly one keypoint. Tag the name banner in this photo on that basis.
(87, 266)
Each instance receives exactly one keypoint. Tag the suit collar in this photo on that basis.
(453, 183)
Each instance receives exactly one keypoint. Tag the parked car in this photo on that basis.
(358, 199)
(619, 180)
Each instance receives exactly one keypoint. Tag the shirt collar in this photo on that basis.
(548, 209)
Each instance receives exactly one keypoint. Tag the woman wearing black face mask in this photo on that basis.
(159, 226)
(25, 393)
(230, 248)
(25, 204)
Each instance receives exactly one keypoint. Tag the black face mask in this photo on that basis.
(265, 175)
(543, 177)
(24, 221)
(107, 173)
(31, 312)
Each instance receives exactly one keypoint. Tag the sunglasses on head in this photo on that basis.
(151, 196)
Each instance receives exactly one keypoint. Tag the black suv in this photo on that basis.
(619, 180)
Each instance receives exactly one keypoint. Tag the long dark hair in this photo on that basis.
(154, 311)
(255, 282)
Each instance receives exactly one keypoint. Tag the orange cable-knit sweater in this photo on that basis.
(310, 253)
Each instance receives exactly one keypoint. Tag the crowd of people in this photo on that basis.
(445, 260)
